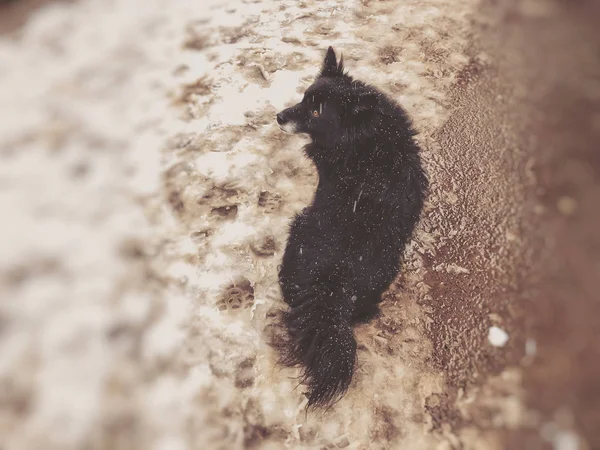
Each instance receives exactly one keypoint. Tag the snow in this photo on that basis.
(497, 336)
(99, 338)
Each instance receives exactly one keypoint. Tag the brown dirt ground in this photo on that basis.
(553, 54)
(531, 122)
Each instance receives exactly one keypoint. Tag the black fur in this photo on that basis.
(344, 249)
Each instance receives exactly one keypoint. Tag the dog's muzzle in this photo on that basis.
(285, 124)
(281, 120)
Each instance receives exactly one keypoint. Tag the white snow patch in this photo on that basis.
(497, 336)
(234, 233)
(221, 166)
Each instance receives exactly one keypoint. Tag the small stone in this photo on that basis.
(497, 336)
(455, 268)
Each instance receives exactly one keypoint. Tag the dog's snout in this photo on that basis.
(281, 119)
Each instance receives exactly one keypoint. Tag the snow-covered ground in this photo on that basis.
(146, 190)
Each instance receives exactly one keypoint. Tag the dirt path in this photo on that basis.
(151, 192)
(548, 52)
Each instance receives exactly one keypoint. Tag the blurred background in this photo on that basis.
(145, 191)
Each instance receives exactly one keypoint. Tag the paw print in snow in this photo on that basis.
(269, 201)
(240, 295)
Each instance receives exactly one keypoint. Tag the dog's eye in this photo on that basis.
(316, 113)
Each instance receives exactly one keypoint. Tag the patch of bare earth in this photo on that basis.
(520, 149)
(551, 46)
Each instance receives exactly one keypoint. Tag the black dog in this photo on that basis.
(344, 249)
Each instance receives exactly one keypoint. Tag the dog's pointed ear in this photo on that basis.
(330, 64)
(366, 101)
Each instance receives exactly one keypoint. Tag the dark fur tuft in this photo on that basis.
(321, 341)
(344, 249)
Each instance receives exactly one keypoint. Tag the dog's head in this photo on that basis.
(330, 105)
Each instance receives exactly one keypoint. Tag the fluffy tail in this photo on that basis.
(321, 341)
